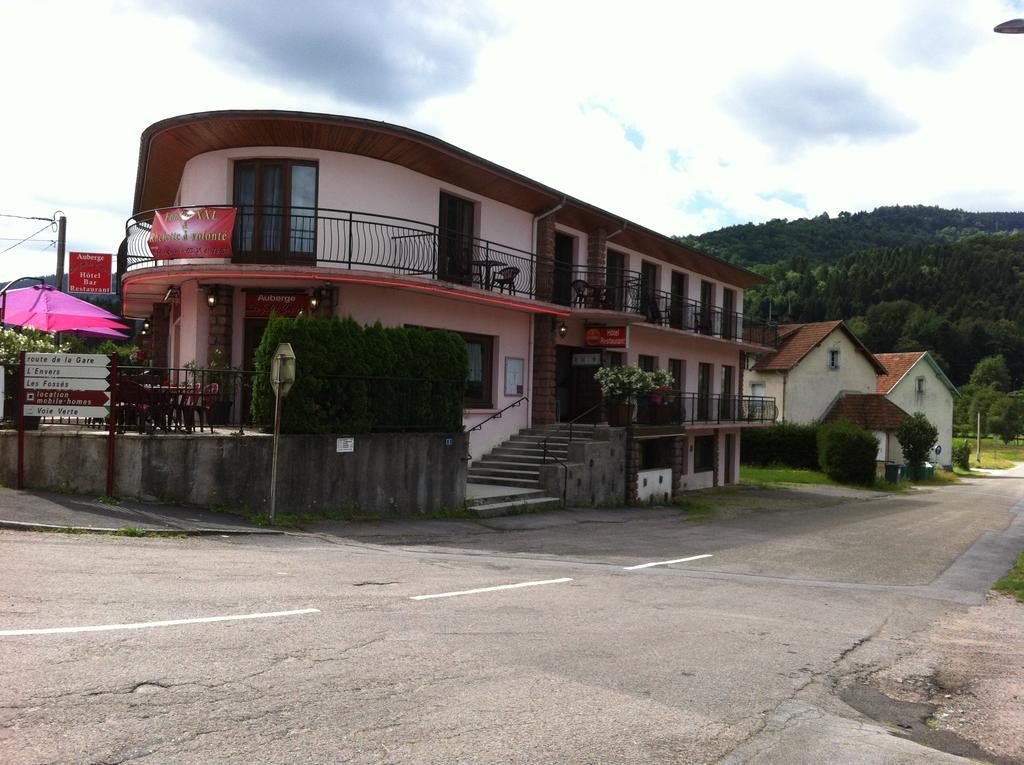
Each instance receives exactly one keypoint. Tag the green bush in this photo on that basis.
(847, 453)
(794, 446)
(356, 379)
(917, 437)
(962, 455)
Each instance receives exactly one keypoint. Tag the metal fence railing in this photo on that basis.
(159, 400)
(683, 408)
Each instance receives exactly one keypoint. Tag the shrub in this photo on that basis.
(847, 453)
(962, 455)
(788, 444)
(356, 379)
(917, 437)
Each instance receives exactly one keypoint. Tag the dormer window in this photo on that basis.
(833, 358)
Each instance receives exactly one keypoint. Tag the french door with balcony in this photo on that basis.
(276, 200)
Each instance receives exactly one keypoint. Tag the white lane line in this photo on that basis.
(168, 623)
(491, 589)
(666, 562)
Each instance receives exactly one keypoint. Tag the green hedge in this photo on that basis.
(795, 446)
(356, 379)
(847, 453)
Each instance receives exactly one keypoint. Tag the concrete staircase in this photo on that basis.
(508, 477)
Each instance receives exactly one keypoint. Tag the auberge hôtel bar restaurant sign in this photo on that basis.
(192, 232)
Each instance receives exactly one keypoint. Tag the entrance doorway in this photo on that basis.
(576, 390)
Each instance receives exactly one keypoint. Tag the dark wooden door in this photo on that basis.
(455, 239)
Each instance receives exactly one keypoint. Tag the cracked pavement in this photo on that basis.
(735, 658)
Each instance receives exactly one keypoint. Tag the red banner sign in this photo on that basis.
(89, 272)
(192, 232)
(606, 337)
(259, 305)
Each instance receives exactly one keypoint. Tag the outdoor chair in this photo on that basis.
(505, 279)
(583, 293)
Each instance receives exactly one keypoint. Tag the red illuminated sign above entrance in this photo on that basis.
(89, 272)
(192, 232)
(606, 337)
(260, 305)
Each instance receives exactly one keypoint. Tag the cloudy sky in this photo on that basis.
(682, 115)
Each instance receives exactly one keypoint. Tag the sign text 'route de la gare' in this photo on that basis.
(66, 385)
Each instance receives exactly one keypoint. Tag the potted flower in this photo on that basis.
(621, 386)
(660, 398)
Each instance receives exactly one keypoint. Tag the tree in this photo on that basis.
(992, 372)
(1004, 417)
(917, 437)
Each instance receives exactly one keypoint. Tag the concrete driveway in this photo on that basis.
(590, 636)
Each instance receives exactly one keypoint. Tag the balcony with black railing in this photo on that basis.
(683, 408)
(627, 291)
(355, 240)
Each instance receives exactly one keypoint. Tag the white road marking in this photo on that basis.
(168, 623)
(491, 589)
(666, 562)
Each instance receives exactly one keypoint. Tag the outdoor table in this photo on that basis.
(486, 264)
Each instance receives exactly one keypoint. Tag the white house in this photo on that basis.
(916, 383)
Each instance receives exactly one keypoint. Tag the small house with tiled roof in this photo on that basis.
(874, 412)
(813, 365)
(916, 383)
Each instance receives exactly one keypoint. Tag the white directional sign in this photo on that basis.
(47, 410)
(66, 385)
(38, 370)
(68, 359)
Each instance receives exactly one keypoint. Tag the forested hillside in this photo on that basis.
(824, 239)
(963, 300)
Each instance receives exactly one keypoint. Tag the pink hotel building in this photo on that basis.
(345, 216)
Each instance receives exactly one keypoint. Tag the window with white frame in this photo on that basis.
(833, 358)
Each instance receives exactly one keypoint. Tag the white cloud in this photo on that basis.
(84, 79)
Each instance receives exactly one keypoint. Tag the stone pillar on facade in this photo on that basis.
(632, 471)
(716, 470)
(158, 336)
(220, 316)
(544, 277)
(597, 256)
(680, 463)
(544, 328)
(543, 384)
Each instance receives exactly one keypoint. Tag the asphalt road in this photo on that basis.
(734, 657)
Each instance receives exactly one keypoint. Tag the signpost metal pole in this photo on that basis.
(62, 230)
(276, 381)
(111, 437)
(282, 375)
(20, 410)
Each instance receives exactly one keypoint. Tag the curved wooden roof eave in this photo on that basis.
(167, 145)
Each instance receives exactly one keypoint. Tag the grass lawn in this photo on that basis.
(1013, 583)
(769, 475)
(995, 455)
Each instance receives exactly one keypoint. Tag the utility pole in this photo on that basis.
(62, 229)
(977, 456)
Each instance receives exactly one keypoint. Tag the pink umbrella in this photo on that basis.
(107, 333)
(47, 308)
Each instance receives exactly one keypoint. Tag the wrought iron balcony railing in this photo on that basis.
(348, 239)
(625, 291)
(683, 408)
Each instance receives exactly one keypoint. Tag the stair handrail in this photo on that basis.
(563, 463)
(497, 415)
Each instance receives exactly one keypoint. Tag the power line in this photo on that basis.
(15, 239)
(25, 217)
(48, 222)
